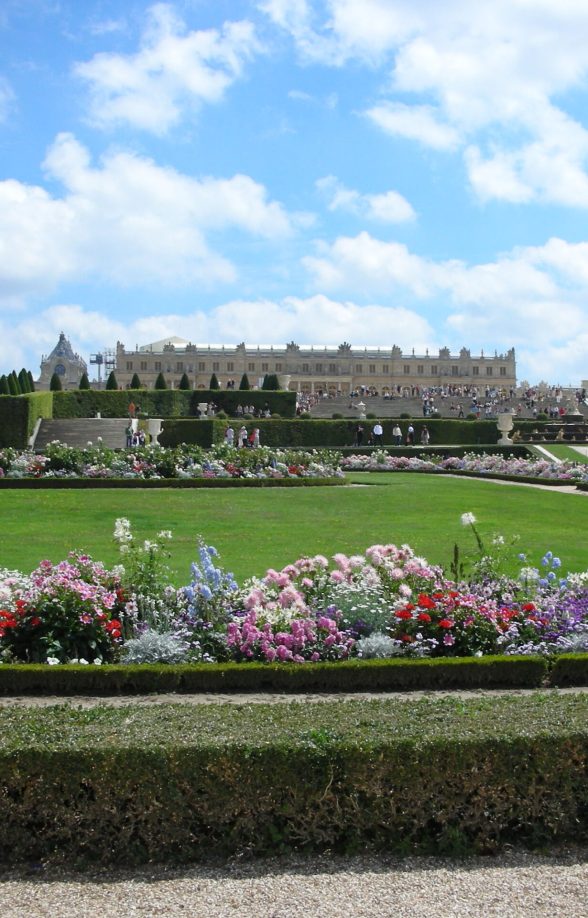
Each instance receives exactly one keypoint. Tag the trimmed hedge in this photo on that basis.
(182, 783)
(344, 676)
(20, 413)
(164, 403)
(58, 484)
(570, 669)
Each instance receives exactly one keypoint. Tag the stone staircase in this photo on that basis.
(81, 431)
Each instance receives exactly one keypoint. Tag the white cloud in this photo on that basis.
(420, 122)
(534, 294)
(174, 71)
(490, 79)
(129, 221)
(389, 207)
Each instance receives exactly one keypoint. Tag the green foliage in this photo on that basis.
(270, 382)
(135, 382)
(244, 384)
(23, 381)
(181, 783)
(111, 383)
(185, 383)
(4, 388)
(31, 381)
(13, 384)
(84, 381)
(214, 383)
(160, 382)
(55, 383)
(19, 415)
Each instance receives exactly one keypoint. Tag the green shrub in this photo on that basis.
(84, 381)
(160, 382)
(182, 783)
(214, 383)
(111, 383)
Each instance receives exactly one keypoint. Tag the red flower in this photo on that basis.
(425, 602)
(407, 639)
(35, 621)
(529, 607)
(423, 617)
(403, 614)
(445, 623)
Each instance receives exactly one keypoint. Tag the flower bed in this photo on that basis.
(156, 463)
(472, 463)
(385, 603)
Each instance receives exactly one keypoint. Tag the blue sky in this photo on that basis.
(374, 171)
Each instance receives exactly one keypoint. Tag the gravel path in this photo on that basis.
(513, 885)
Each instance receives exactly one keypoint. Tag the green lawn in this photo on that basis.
(257, 529)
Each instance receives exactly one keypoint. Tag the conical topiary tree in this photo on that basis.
(244, 384)
(84, 381)
(111, 383)
(13, 384)
(31, 381)
(4, 390)
(185, 383)
(23, 381)
(135, 382)
(214, 383)
(160, 382)
(55, 383)
(270, 381)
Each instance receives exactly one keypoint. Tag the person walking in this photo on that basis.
(425, 436)
(397, 435)
(229, 436)
(358, 435)
(242, 437)
(378, 434)
(410, 435)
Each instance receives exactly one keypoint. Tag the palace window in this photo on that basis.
(318, 368)
(420, 369)
(333, 368)
(179, 367)
(157, 366)
(488, 371)
(503, 371)
(143, 364)
(230, 367)
(215, 366)
(201, 366)
(359, 368)
(455, 371)
(129, 364)
(250, 367)
(385, 368)
(434, 370)
(265, 367)
(278, 367)
(475, 371)
(407, 369)
(372, 368)
(306, 368)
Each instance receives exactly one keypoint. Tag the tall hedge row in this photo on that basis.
(20, 413)
(165, 403)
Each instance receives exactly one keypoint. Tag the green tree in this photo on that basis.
(185, 383)
(135, 382)
(4, 390)
(31, 381)
(244, 384)
(13, 384)
(214, 383)
(55, 383)
(111, 383)
(23, 381)
(160, 382)
(84, 381)
(270, 381)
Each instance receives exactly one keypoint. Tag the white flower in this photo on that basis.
(164, 534)
(468, 519)
(52, 661)
(97, 661)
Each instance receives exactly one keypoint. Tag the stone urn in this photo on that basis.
(203, 409)
(505, 423)
(361, 408)
(154, 429)
(284, 381)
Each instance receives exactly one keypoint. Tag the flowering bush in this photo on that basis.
(480, 463)
(384, 602)
(71, 610)
(154, 461)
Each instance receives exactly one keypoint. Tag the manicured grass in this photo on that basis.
(563, 451)
(254, 530)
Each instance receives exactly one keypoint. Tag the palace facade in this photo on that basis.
(311, 369)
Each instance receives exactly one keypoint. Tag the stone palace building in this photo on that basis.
(312, 369)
